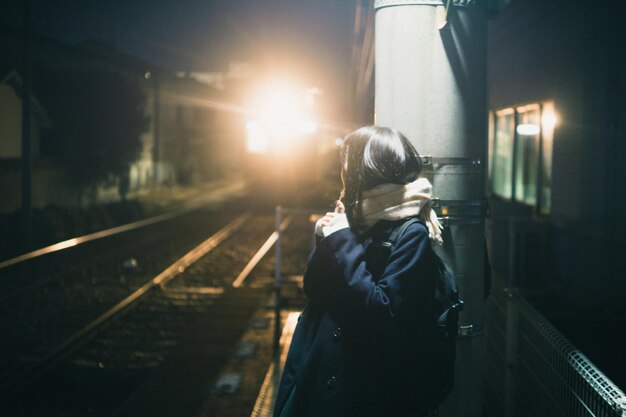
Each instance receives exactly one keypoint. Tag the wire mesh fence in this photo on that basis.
(533, 370)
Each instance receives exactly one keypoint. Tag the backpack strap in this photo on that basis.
(447, 279)
(399, 231)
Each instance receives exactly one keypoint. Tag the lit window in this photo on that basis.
(549, 121)
(503, 152)
(526, 154)
(521, 153)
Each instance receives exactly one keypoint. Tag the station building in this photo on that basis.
(556, 73)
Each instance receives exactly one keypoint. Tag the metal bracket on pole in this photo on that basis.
(442, 15)
(379, 4)
(470, 330)
(460, 212)
(436, 202)
(457, 221)
(434, 160)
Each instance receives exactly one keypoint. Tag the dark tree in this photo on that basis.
(97, 117)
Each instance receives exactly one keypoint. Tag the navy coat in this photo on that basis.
(355, 351)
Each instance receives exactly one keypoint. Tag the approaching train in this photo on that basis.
(291, 156)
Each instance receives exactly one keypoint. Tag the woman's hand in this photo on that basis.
(332, 222)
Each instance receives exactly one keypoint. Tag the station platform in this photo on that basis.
(264, 405)
(219, 371)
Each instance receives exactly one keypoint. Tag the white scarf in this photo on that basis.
(396, 202)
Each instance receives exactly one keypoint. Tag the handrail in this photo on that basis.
(582, 365)
(536, 370)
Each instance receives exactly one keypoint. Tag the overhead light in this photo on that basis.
(549, 119)
(528, 129)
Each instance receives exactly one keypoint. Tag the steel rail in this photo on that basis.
(20, 379)
(69, 243)
(238, 282)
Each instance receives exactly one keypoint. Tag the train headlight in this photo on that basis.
(282, 117)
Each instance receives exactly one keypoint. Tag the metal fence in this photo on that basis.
(533, 370)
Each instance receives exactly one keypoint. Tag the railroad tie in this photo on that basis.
(179, 386)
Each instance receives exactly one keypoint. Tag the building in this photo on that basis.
(187, 139)
(556, 177)
(46, 179)
(556, 231)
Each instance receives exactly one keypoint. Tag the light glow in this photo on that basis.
(282, 113)
(549, 118)
(308, 126)
(256, 142)
(528, 129)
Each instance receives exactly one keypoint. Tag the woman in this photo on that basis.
(355, 351)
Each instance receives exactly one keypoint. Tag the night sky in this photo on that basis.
(310, 38)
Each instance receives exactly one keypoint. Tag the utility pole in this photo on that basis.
(431, 85)
(27, 160)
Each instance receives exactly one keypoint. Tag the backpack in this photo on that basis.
(448, 305)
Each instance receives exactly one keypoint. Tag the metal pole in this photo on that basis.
(513, 280)
(277, 279)
(27, 160)
(156, 133)
(431, 85)
(510, 370)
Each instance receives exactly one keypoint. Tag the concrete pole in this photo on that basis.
(431, 85)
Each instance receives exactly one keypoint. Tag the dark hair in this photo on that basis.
(374, 155)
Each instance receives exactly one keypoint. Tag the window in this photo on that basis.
(521, 153)
(503, 152)
(526, 154)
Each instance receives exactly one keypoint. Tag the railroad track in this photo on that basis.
(44, 300)
(89, 253)
(138, 335)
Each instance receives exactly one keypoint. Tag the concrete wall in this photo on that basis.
(48, 182)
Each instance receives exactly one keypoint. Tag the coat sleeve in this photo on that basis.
(337, 278)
